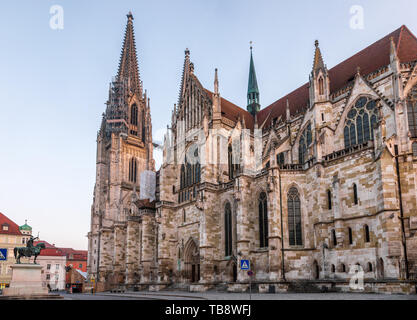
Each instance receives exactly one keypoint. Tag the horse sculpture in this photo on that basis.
(28, 252)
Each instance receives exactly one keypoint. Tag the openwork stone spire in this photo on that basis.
(318, 59)
(128, 66)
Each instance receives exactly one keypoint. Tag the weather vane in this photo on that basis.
(250, 42)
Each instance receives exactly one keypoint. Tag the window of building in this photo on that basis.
(143, 126)
(355, 194)
(280, 158)
(228, 230)
(412, 112)
(48, 267)
(184, 216)
(360, 122)
(294, 218)
(134, 115)
(370, 268)
(334, 240)
(48, 276)
(333, 268)
(414, 148)
(5, 227)
(350, 235)
(268, 164)
(304, 143)
(80, 266)
(233, 159)
(366, 230)
(321, 86)
(133, 170)
(57, 266)
(342, 268)
(263, 220)
(329, 199)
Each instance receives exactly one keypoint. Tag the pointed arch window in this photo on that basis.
(133, 170)
(366, 231)
(228, 230)
(294, 218)
(263, 220)
(412, 112)
(329, 199)
(134, 115)
(355, 194)
(321, 86)
(233, 161)
(143, 126)
(350, 235)
(304, 143)
(334, 239)
(360, 121)
(280, 158)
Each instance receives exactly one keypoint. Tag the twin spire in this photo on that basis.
(128, 66)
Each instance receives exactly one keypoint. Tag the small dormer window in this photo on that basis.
(5, 227)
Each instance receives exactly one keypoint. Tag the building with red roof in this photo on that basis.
(10, 237)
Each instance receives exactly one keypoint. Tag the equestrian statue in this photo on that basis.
(29, 251)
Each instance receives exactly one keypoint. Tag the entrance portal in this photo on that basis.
(192, 261)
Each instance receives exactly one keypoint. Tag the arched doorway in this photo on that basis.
(192, 261)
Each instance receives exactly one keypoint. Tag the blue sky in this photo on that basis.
(54, 83)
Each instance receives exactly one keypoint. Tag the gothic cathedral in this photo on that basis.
(321, 182)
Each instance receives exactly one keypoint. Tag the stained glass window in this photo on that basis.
(360, 122)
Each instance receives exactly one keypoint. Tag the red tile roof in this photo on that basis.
(76, 254)
(369, 60)
(232, 111)
(52, 252)
(13, 228)
(47, 244)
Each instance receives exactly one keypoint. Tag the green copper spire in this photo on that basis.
(253, 91)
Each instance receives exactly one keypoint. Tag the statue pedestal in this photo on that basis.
(26, 281)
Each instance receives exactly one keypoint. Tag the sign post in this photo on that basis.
(245, 265)
(250, 274)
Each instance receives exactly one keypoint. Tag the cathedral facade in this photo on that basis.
(316, 187)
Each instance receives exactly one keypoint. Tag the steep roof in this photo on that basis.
(368, 60)
(232, 111)
(13, 228)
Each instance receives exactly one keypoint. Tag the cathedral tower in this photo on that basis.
(124, 150)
